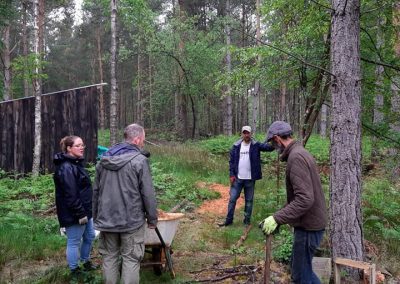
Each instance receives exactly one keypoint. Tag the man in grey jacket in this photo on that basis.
(123, 199)
(305, 209)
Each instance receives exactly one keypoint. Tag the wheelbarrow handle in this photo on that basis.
(167, 253)
(160, 237)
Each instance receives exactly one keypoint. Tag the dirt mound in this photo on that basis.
(218, 206)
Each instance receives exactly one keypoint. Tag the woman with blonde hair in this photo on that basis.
(74, 202)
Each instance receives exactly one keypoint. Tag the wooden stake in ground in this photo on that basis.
(268, 258)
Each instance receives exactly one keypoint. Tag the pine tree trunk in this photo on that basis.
(114, 86)
(139, 102)
(395, 99)
(181, 123)
(324, 120)
(227, 98)
(378, 99)
(7, 64)
(100, 62)
(345, 180)
(25, 47)
(151, 92)
(256, 92)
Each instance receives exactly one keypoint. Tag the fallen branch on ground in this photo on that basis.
(177, 206)
(243, 237)
(227, 269)
(231, 275)
(48, 211)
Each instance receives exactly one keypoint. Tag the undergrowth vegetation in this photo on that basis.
(29, 228)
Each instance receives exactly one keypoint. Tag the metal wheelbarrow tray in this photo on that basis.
(160, 239)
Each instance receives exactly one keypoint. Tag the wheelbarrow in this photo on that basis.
(158, 242)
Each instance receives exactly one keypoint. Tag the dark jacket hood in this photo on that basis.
(125, 148)
(61, 157)
(120, 154)
(114, 163)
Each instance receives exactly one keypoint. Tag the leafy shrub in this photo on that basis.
(382, 208)
(283, 245)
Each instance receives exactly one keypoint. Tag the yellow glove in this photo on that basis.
(269, 225)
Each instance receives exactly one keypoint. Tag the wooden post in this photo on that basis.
(268, 258)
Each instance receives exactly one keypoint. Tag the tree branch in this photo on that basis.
(298, 58)
(326, 7)
(381, 63)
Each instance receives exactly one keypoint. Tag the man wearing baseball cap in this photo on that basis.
(244, 170)
(305, 209)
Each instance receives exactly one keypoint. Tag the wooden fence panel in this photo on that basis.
(70, 112)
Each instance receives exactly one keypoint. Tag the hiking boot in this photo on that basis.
(225, 224)
(88, 266)
(246, 222)
(75, 273)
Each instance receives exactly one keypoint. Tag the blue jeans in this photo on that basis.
(79, 243)
(304, 245)
(234, 194)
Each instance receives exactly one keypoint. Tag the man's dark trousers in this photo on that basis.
(234, 193)
(304, 245)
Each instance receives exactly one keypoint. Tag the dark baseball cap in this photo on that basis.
(279, 128)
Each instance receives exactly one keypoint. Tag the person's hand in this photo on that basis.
(83, 221)
(151, 226)
(232, 179)
(268, 225)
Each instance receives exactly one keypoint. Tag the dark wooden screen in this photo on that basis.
(70, 112)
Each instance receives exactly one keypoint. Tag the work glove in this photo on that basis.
(83, 221)
(268, 226)
(232, 179)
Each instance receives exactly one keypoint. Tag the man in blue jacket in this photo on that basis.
(244, 170)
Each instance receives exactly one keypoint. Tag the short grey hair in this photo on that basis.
(132, 131)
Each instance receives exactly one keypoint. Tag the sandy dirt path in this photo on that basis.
(218, 206)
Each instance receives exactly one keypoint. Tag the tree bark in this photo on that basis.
(345, 180)
(227, 89)
(181, 123)
(114, 86)
(378, 99)
(38, 20)
(139, 109)
(324, 121)
(256, 92)
(7, 63)
(100, 62)
(395, 99)
(314, 101)
(151, 92)
(25, 47)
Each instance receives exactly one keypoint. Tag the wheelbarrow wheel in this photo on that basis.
(156, 253)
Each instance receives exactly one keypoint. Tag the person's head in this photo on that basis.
(246, 133)
(134, 133)
(280, 135)
(73, 146)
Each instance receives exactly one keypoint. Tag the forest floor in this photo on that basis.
(194, 257)
(215, 264)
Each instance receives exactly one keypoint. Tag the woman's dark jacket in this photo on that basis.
(255, 159)
(73, 190)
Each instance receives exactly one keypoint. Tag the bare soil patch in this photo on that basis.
(218, 206)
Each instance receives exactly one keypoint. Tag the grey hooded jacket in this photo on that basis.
(123, 193)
